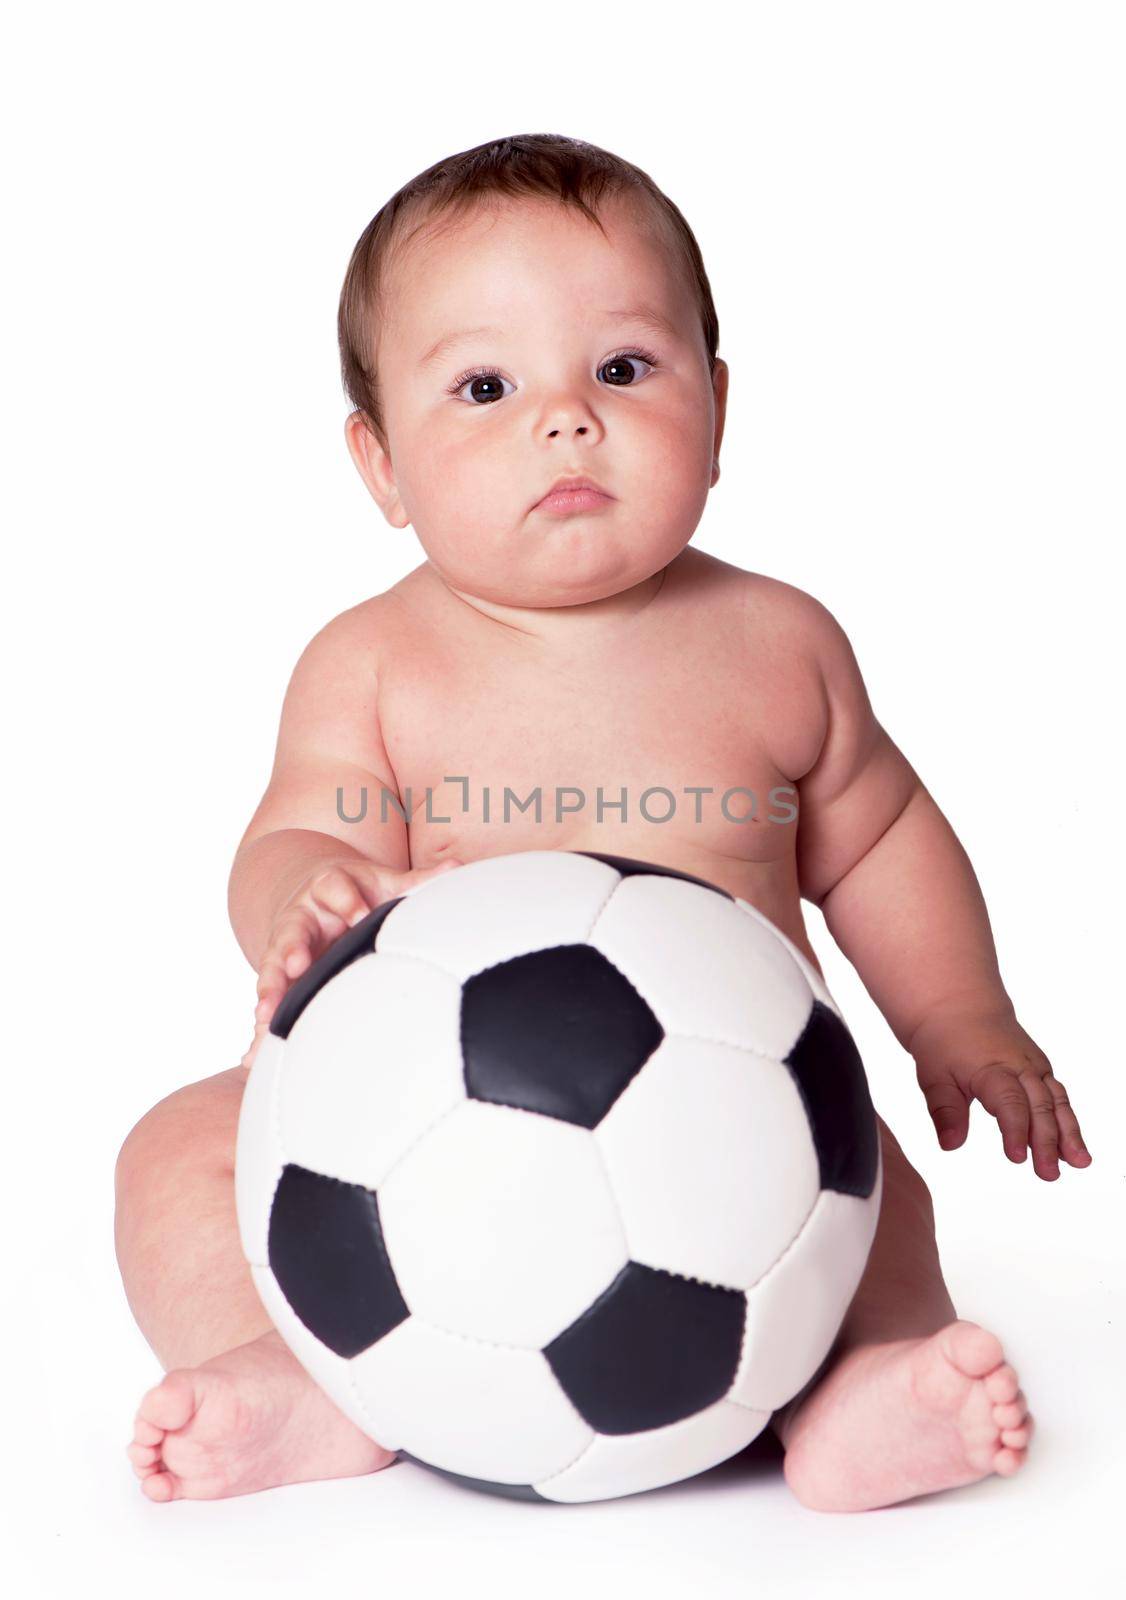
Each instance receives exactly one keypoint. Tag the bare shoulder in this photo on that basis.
(329, 734)
(801, 627)
(767, 605)
(787, 612)
(785, 643)
(368, 633)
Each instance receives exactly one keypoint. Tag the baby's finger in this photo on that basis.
(295, 936)
(285, 956)
(336, 891)
(272, 984)
(1045, 1131)
(949, 1111)
(1071, 1140)
(252, 1048)
(1003, 1096)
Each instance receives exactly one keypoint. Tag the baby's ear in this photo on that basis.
(719, 387)
(373, 463)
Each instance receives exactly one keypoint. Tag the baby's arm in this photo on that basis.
(901, 899)
(302, 874)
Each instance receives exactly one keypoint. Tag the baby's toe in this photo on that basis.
(972, 1348)
(159, 1486)
(145, 1432)
(170, 1404)
(142, 1455)
(1007, 1461)
(1013, 1414)
(1017, 1438)
(1002, 1385)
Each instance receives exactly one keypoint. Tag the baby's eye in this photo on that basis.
(485, 384)
(622, 363)
(482, 386)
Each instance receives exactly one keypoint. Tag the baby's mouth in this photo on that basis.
(564, 501)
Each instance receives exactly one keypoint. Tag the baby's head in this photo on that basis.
(531, 309)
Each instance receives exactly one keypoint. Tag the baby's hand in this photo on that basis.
(989, 1057)
(331, 900)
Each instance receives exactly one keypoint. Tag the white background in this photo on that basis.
(912, 219)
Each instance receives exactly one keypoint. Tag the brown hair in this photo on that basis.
(530, 165)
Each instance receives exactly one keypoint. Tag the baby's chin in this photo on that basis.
(555, 593)
(577, 573)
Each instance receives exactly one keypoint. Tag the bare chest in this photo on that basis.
(671, 747)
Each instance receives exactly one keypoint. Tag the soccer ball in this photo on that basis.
(558, 1173)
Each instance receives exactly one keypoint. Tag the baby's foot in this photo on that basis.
(249, 1419)
(890, 1421)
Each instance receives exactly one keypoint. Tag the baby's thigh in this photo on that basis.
(901, 1179)
(199, 1121)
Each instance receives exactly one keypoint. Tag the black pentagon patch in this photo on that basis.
(652, 1349)
(356, 942)
(560, 1032)
(629, 867)
(513, 1491)
(327, 1252)
(829, 1073)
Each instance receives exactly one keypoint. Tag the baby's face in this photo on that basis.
(543, 377)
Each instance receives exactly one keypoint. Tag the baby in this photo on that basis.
(562, 637)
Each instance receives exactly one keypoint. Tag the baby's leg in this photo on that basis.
(910, 1399)
(236, 1411)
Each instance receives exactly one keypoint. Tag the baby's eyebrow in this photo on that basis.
(448, 340)
(641, 316)
(645, 317)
